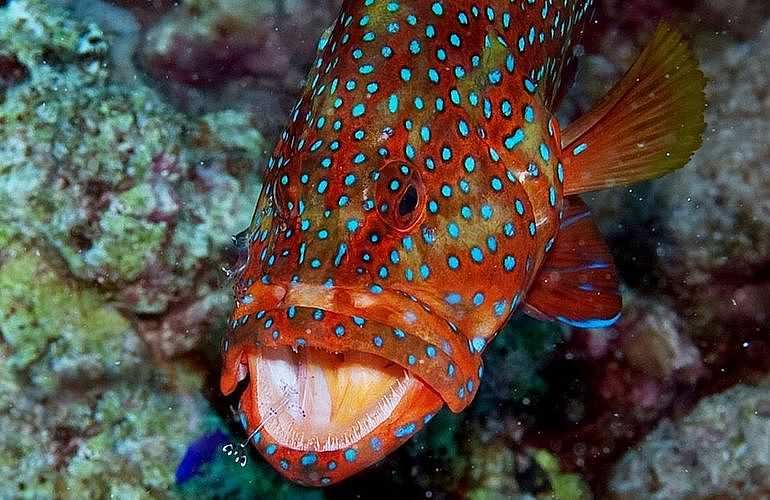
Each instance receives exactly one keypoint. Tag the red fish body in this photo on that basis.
(422, 192)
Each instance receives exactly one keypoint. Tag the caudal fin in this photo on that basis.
(649, 124)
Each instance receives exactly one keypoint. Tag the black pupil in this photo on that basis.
(408, 202)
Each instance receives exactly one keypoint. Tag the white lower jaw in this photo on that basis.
(313, 400)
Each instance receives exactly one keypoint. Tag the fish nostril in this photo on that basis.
(282, 198)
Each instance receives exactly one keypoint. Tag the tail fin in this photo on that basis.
(649, 124)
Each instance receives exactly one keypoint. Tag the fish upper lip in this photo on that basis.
(388, 307)
(358, 301)
(352, 302)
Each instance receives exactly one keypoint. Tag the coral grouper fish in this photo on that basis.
(423, 191)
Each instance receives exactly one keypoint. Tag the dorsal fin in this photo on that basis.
(578, 283)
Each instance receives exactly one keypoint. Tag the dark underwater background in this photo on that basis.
(132, 136)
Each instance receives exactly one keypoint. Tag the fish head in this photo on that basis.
(388, 245)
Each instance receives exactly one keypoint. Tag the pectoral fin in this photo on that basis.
(578, 283)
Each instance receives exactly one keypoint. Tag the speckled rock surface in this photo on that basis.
(701, 234)
(718, 211)
(694, 246)
(700, 237)
(242, 54)
(115, 211)
(132, 195)
(720, 450)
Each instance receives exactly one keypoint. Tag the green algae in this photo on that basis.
(81, 414)
(127, 454)
(237, 132)
(39, 311)
(564, 486)
(106, 172)
(127, 238)
(34, 38)
(496, 470)
(493, 469)
(92, 148)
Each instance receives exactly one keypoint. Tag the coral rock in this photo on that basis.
(720, 450)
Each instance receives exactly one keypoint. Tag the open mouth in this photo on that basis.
(310, 399)
(319, 417)
(329, 392)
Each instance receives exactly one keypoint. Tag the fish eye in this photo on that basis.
(400, 195)
(408, 202)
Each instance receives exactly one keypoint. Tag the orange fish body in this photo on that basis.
(422, 192)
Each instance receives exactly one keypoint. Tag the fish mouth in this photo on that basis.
(339, 378)
(319, 411)
(309, 399)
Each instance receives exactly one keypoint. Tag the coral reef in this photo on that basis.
(719, 224)
(116, 209)
(79, 410)
(720, 450)
(700, 235)
(692, 246)
(217, 54)
(133, 196)
(611, 386)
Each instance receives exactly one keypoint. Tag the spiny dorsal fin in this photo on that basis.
(578, 283)
(649, 124)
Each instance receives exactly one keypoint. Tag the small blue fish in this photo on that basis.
(199, 453)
